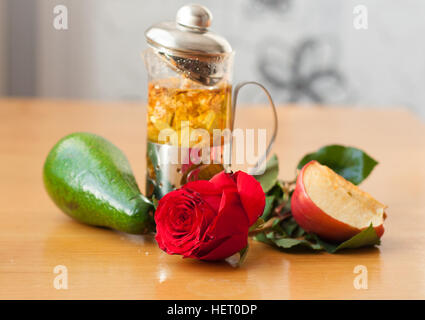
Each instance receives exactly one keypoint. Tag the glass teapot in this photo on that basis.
(191, 111)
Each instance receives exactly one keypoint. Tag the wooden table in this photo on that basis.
(35, 236)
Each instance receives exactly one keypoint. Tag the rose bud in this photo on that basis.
(209, 220)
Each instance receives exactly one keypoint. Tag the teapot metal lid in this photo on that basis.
(189, 46)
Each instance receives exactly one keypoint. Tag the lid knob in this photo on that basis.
(194, 16)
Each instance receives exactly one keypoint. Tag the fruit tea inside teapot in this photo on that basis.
(189, 100)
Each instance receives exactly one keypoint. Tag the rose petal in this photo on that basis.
(223, 180)
(175, 240)
(202, 186)
(231, 218)
(208, 192)
(228, 247)
(251, 194)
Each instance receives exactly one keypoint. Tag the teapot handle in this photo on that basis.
(238, 87)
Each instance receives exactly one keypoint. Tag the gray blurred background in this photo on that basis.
(305, 52)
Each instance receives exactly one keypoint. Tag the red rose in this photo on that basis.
(209, 220)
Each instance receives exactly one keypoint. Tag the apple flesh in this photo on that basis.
(326, 204)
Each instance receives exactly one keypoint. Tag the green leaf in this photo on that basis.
(242, 255)
(351, 163)
(365, 238)
(261, 237)
(276, 190)
(268, 208)
(291, 228)
(155, 202)
(287, 243)
(269, 178)
(258, 224)
(291, 235)
(274, 239)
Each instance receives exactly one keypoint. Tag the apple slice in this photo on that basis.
(326, 204)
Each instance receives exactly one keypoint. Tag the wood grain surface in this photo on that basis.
(35, 236)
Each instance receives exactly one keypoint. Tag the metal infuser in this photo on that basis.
(190, 70)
